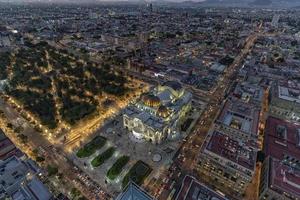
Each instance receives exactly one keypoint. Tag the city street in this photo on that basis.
(187, 156)
(53, 157)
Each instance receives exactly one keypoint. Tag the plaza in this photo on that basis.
(156, 156)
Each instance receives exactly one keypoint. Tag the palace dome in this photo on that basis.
(163, 111)
(151, 100)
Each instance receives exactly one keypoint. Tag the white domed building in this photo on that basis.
(157, 115)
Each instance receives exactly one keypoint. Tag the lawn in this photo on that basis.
(91, 147)
(100, 159)
(137, 173)
(117, 167)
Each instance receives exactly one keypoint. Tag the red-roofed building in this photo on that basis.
(228, 162)
(280, 177)
(7, 148)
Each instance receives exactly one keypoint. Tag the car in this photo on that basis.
(172, 185)
(165, 180)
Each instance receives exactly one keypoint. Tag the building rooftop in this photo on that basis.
(283, 146)
(284, 179)
(18, 181)
(38, 190)
(282, 138)
(288, 90)
(161, 106)
(289, 94)
(7, 148)
(240, 115)
(12, 170)
(238, 152)
(134, 192)
(174, 85)
(248, 92)
(191, 189)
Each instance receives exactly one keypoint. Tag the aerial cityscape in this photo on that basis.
(150, 100)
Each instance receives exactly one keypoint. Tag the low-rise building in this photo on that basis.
(249, 93)
(285, 100)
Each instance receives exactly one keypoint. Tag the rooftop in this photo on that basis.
(38, 189)
(160, 106)
(284, 179)
(283, 145)
(236, 151)
(134, 192)
(191, 189)
(240, 115)
(174, 85)
(12, 170)
(248, 92)
(7, 148)
(282, 138)
(288, 90)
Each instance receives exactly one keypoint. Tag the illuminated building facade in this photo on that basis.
(228, 156)
(157, 115)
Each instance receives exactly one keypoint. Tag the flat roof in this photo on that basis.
(191, 189)
(289, 94)
(248, 92)
(282, 144)
(288, 90)
(12, 171)
(233, 150)
(282, 138)
(283, 179)
(2, 135)
(240, 115)
(38, 189)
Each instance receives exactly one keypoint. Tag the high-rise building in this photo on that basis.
(150, 7)
(18, 180)
(275, 20)
(193, 189)
(134, 192)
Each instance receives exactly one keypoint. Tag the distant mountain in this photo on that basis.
(186, 3)
(246, 3)
(261, 3)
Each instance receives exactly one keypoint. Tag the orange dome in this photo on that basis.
(163, 111)
(151, 100)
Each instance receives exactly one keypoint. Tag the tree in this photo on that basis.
(75, 193)
(40, 159)
(9, 125)
(35, 151)
(52, 170)
(23, 138)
